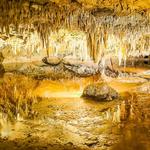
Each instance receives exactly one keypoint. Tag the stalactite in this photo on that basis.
(49, 17)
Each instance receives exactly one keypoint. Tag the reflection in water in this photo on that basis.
(121, 124)
(113, 114)
(135, 122)
(5, 126)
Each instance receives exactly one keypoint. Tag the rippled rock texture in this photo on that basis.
(46, 71)
(82, 69)
(67, 68)
(100, 91)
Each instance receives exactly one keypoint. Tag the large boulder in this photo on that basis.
(100, 91)
(54, 61)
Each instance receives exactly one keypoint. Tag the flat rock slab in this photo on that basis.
(82, 70)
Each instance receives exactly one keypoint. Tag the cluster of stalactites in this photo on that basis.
(129, 31)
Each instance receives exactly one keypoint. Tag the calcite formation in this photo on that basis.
(118, 27)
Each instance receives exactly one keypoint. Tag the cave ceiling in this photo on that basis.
(16, 11)
(59, 12)
(110, 4)
(127, 20)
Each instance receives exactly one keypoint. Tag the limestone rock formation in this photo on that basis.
(82, 69)
(59, 69)
(55, 66)
(31, 69)
(52, 60)
(100, 92)
(46, 71)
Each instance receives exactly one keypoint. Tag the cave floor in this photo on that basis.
(63, 120)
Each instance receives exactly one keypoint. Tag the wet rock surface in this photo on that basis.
(46, 71)
(100, 91)
(82, 70)
(60, 127)
(56, 68)
(76, 66)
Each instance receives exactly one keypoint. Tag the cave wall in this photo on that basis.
(112, 28)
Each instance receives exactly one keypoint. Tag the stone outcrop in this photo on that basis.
(52, 60)
(45, 71)
(100, 92)
(82, 68)
(58, 71)
(79, 68)
(55, 66)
